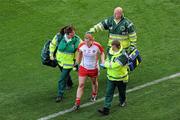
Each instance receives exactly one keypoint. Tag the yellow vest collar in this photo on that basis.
(115, 53)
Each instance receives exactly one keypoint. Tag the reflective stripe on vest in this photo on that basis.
(65, 59)
(118, 77)
(118, 37)
(133, 37)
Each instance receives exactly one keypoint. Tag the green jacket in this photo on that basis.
(123, 31)
(65, 54)
(116, 64)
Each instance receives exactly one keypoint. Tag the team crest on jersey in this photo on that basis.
(94, 51)
(89, 51)
(122, 28)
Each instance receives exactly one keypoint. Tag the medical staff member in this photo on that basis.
(65, 55)
(120, 28)
(117, 76)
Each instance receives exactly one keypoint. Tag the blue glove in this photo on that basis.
(102, 66)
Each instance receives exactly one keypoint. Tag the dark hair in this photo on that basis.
(67, 29)
(116, 43)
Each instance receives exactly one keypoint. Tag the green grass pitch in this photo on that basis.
(28, 89)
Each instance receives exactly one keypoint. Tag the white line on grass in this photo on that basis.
(99, 100)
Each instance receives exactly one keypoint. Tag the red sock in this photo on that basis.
(94, 94)
(78, 101)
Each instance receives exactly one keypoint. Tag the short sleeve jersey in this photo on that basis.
(90, 55)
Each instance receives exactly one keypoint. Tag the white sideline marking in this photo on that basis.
(99, 100)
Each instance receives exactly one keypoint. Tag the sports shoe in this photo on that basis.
(59, 99)
(104, 111)
(122, 104)
(93, 98)
(76, 107)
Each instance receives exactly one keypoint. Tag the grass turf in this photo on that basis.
(27, 89)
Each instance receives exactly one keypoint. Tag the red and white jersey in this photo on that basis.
(90, 55)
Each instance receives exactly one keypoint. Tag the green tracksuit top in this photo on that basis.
(65, 54)
(123, 31)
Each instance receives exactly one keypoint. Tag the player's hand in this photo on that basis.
(92, 30)
(75, 67)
